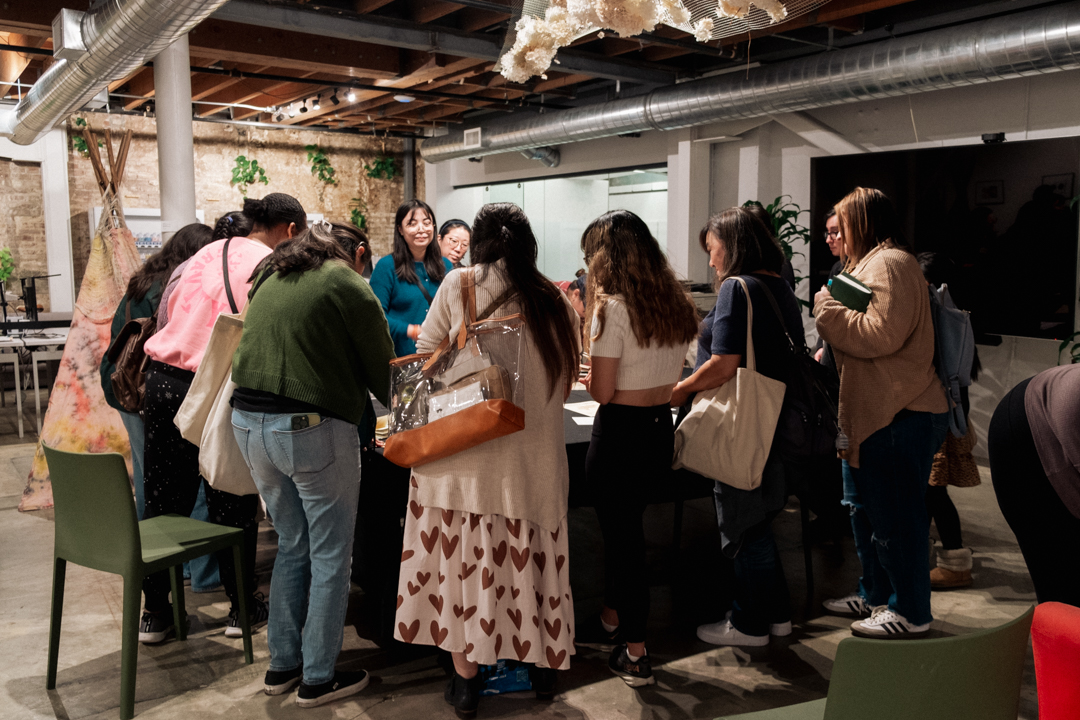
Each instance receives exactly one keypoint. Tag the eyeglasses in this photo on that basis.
(832, 234)
(464, 244)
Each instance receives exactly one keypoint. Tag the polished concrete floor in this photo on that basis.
(205, 677)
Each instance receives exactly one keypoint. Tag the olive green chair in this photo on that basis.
(975, 676)
(96, 527)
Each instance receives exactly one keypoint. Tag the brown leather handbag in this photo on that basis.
(462, 395)
(126, 353)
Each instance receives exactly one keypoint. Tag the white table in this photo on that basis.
(34, 339)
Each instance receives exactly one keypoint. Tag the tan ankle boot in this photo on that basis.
(953, 569)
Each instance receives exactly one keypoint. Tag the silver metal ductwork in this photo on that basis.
(1029, 43)
(118, 37)
(548, 156)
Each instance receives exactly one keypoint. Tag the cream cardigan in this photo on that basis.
(886, 355)
(520, 476)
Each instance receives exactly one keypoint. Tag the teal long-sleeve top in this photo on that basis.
(142, 309)
(402, 301)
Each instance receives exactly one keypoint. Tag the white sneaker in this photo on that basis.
(852, 605)
(724, 633)
(886, 624)
(776, 629)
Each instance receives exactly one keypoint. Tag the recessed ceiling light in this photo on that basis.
(404, 98)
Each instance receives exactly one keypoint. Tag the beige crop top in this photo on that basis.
(639, 368)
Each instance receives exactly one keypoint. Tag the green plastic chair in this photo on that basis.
(967, 677)
(96, 527)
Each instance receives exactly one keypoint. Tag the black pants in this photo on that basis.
(1048, 534)
(940, 509)
(630, 448)
(171, 481)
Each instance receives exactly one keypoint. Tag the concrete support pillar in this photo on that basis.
(688, 205)
(176, 146)
(409, 171)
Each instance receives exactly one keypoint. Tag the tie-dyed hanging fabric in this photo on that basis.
(78, 418)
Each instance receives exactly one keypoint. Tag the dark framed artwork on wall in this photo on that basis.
(990, 192)
(1062, 184)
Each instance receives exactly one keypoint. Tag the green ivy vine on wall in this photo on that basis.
(320, 165)
(7, 264)
(383, 167)
(247, 172)
(78, 142)
(358, 213)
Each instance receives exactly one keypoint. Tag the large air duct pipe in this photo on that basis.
(1029, 43)
(104, 45)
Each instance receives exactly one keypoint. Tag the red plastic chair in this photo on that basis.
(1055, 635)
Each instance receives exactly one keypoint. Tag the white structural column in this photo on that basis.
(688, 205)
(176, 146)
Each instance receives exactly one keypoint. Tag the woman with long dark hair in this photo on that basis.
(406, 280)
(740, 247)
(892, 417)
(172, 476)
(497, 584)
(315, 341)
(143, 297)
(642, 324)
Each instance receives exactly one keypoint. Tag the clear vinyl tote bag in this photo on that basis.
(729, 430)
(465, 393)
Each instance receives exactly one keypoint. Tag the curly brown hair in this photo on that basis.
(625, 259)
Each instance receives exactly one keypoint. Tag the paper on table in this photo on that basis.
(587, 407)
(584, 420)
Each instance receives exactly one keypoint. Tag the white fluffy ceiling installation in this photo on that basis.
(545, 27)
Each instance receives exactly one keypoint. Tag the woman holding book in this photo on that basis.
(892, 414)
(740, 246)
(642, 325)
(484, 571)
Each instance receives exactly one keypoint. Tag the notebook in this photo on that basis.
(849, 291)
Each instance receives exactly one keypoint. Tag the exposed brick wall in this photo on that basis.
(280, 152)
(23, 221)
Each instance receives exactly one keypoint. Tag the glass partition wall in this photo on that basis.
(561, 208)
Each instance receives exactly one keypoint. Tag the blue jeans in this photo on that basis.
(887, 499)
(310, 481)
(136, 430)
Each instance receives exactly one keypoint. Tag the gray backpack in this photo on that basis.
(954, 353)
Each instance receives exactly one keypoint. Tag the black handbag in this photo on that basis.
(808, 425)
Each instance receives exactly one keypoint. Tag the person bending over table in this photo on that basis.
(739, 245)
(315, 340)
(642, 325)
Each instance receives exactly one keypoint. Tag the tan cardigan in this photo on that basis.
(885, 356)
(520, 476)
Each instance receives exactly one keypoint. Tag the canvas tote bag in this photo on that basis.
(729, 430)
(205, 416)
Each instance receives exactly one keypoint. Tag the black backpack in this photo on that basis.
(808, 426)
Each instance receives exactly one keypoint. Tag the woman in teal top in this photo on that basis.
(406, 280)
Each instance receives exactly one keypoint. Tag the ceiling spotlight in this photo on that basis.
(292, 111)
(316, 104)
(404, 98)
(334, 98)
(303, 107)
(351, 97)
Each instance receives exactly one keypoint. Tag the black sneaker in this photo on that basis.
(343, 685)
(155, 627)
(592, 634)
(637, 673)
(543, 682)
(279, 682)
(463, 694)
(258, 613)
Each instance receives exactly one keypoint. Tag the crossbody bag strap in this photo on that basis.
(779, 315)
(225, 273)
(496, 304)
(423, 291)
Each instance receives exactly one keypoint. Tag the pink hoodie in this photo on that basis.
(199, 297)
